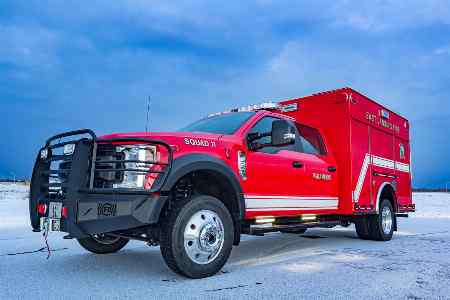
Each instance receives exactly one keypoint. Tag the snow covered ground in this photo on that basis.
(323, 263)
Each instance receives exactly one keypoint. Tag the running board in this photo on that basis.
(260, 230)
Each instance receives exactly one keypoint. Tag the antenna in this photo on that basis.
(148, 113)
(14, 176)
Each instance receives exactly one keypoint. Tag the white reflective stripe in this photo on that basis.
(287, 197)
(290, 203)
(383, 162)
(361, 178)
(378, 162)
(402, 167)
(288, 208)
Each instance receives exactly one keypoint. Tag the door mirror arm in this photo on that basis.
(255, 146)
(251, 137)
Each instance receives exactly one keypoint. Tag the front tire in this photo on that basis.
(102, 244)
(197, 236)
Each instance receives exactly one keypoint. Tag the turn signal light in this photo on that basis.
(264, 220)
(64, 212)
(42, 209)
(309, 217)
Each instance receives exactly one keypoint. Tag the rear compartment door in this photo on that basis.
(403, 171)
(383, 160)
(361, 163)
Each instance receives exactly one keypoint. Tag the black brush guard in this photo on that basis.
(91, 209)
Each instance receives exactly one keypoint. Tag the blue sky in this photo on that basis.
(71, 64)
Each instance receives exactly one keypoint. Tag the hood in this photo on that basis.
(173, 138)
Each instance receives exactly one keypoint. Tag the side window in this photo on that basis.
(264, 126)
(311, 140)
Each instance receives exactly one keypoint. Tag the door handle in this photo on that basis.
(297, 164)
(332, 169)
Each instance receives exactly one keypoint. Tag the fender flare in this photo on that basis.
(380, 190)
(203, 162)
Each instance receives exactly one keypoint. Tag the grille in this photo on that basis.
(109, 169)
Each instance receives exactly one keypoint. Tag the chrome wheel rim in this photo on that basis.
(203, 237)
(386, 220)
(105, 239)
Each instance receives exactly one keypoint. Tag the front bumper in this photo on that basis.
(92, 209)
(102, 212)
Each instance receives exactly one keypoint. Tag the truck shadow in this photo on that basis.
(139, 261)
(277, 247)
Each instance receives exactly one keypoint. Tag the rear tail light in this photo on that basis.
(64, 212)
(42, 209)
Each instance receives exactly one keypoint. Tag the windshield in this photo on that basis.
(227, 123)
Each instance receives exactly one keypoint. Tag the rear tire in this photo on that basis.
(101, 244)
(197, 236)
(362, 228)
(379, 227)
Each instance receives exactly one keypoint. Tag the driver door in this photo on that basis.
(274, 175)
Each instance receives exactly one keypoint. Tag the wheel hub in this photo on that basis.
(203, 237)
(209, 237)
(386, 220)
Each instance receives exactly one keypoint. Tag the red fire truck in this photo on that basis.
(329, 159)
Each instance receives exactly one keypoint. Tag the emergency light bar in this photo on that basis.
(262, 106)
(254, 107)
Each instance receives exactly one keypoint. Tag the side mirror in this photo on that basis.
(282, 133)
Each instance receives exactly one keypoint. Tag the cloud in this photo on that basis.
(391, 15)
(28, 46)
(445, 50)
(69, 65)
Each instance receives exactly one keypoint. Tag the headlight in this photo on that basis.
(139, 163)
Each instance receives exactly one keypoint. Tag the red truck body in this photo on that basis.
(329, 159)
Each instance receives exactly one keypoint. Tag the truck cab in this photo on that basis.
(329, 159)
(297, 177)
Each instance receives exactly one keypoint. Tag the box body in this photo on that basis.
(370, 143)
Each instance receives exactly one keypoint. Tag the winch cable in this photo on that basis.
(45, 235)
